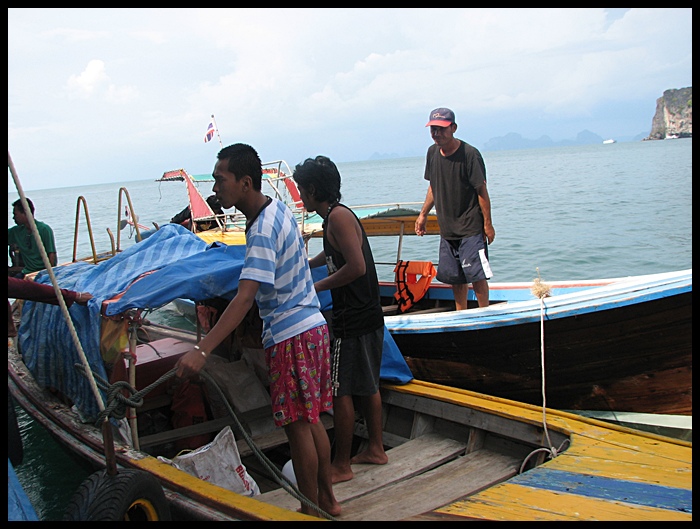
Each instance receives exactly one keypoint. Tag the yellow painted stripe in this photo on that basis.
(679, 476)
(229, 502)
(508, 502)
(632, 441)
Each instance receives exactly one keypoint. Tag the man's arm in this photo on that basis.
(485, 205)
(427, 206)
(15, 258)
(318, 260)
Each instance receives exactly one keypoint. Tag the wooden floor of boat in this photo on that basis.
(422, 474)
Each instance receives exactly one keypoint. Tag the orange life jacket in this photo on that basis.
(413, 279)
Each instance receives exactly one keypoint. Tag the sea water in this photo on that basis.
(583, 212)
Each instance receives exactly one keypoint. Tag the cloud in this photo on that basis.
(345, 81)
(94, 81)
(89, 80)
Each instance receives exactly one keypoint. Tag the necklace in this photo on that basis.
(330, 207)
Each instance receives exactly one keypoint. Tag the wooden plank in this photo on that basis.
(264, 442)
(490, 422)
(435, 488)
(405, 461)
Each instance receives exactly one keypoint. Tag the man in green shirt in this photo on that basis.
(25, 255)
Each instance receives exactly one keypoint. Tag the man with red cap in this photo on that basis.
(457, 176)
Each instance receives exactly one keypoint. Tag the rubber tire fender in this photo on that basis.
(131, 495)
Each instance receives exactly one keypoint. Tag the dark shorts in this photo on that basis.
(463, 261)
(355, 364)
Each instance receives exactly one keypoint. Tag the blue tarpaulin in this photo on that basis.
(176, 264)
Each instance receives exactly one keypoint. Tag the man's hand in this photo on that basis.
(489, 234)
(420, 225)
(190, 364)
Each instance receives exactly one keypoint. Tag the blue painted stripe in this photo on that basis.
(648, 494)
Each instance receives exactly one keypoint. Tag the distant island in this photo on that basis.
(514, 141)
(673, 119)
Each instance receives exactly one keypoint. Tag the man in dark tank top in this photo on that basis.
(357, 322)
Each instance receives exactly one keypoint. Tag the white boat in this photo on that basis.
(606, 142)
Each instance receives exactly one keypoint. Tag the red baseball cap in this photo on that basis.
(441, 117)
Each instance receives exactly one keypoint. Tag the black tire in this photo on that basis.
(15, 448)
(131, 496)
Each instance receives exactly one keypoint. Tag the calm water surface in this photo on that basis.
(582, 212)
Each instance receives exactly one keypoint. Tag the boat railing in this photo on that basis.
(115, 248)
(83, 202)
(124, 192)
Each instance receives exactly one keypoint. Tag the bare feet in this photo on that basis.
(340, 474)
(374, 458)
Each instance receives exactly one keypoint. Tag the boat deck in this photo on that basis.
(400, 489)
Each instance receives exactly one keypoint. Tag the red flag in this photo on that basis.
(210, 133)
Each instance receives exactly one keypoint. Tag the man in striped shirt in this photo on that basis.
(277, 276)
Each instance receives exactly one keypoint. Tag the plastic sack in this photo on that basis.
(218, 462)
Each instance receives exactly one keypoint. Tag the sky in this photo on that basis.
(115, 95)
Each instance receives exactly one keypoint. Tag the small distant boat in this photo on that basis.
(605, 142)
(672, 136)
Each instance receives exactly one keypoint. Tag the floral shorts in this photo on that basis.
(300, 376)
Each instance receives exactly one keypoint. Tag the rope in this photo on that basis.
(276, 473)
(117, 404)
(542, 290)
(54, 282)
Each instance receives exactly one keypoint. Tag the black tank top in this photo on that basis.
(357, 309)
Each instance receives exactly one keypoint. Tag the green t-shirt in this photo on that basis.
(23, 239)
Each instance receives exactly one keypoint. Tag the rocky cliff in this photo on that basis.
(674, 115)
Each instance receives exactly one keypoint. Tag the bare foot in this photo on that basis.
(334, 510)
(339, 475)
(370, 457)
(332, 507)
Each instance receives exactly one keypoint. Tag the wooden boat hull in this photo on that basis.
(620, 356)
(453, 454)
